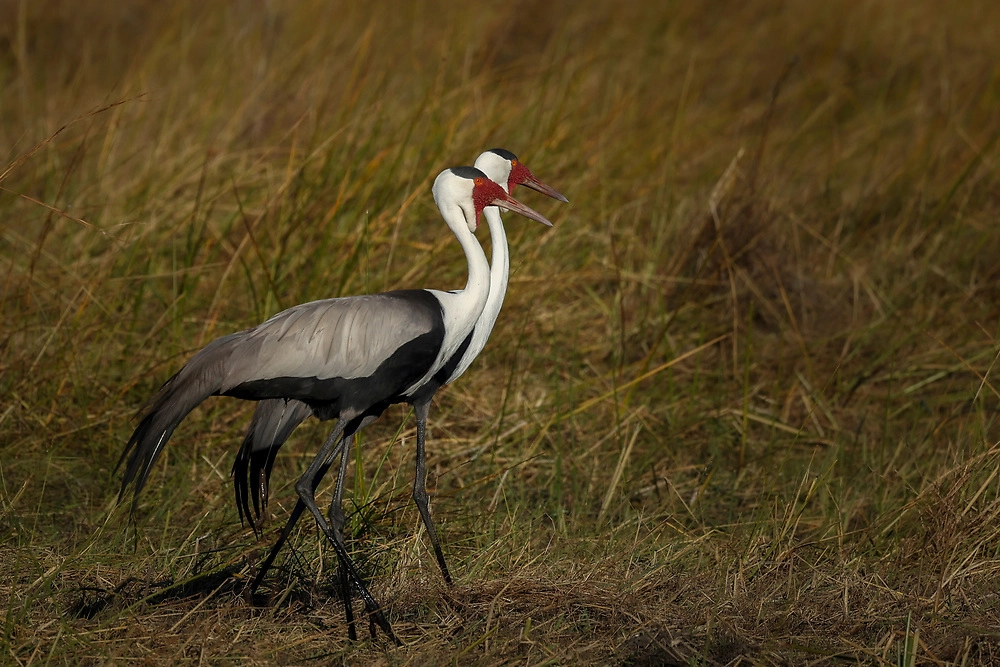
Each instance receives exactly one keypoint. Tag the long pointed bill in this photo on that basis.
(538, 186)
(511, 204)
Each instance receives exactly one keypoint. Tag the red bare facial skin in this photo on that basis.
(518, 174)
(521, 175)
(484, 193)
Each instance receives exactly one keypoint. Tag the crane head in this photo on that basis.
(503, 167)
(470, 190)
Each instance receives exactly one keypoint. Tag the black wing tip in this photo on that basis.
(129, 452)
(259, 477)
(141, 451)
(241, 486)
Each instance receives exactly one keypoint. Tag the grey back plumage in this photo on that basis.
(344, 338)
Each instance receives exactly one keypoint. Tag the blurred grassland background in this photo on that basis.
(740, 406)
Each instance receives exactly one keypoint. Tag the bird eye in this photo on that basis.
(478, 181)
(513, 163)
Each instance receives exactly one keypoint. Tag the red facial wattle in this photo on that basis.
(484, 193)
(518, 174)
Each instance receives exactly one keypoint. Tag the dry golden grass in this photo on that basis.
(740, 406)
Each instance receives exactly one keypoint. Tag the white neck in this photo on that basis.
(470, 300)
(500, 264)
(499, 274)
(462, 308)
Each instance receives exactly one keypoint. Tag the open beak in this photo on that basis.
(511, 204)
(537, 185)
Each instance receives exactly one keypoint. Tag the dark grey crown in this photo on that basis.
(504, 153)
(468, 172)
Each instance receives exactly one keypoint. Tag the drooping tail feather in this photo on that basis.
(200, 378)
(273, 422)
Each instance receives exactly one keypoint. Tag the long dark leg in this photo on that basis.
(290, 524)
(305, 490)
(420, 489)
(337, 521)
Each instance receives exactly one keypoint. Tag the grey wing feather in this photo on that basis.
(346, 338)
(197, 380)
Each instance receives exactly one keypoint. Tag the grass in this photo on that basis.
(740, 406)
